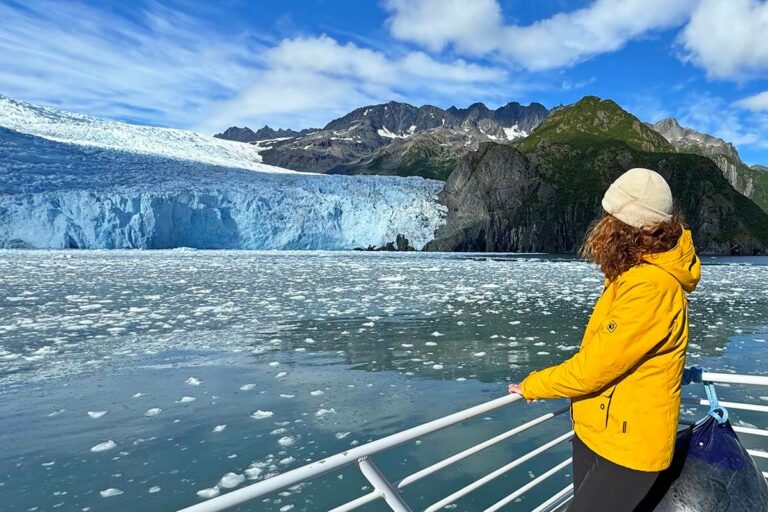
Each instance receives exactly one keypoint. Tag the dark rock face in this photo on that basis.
(236, 134)
(500, 200)
(493, 199)
(401, 243)
(245, 134)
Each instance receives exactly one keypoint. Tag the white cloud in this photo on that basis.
(561, 40)
(159, 66)
(728, 38)
(312, 79)
(757, 102)
(472, 27)
(163, 66)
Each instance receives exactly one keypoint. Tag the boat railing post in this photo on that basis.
(379, 482)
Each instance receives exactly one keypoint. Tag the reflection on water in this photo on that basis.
(340, 348)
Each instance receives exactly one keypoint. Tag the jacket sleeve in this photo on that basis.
(636, 324)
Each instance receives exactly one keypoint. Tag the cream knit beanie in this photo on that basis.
(640, 198)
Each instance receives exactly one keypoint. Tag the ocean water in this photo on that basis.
(153, 379)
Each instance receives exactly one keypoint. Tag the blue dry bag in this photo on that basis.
(710, 471)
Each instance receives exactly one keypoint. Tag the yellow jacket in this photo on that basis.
(625, 380)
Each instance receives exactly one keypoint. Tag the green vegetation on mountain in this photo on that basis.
(593, 121)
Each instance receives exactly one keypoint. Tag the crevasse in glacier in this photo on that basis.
(68, 180)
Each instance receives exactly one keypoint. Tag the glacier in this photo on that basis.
(75, 181)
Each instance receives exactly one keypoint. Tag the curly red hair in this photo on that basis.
(616, 247)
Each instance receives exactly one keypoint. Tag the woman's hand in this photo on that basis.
(515, 388)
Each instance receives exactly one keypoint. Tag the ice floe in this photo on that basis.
(231, 480)
(103, 447)
(208, 493)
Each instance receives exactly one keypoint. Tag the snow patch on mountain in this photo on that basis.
(514, 132)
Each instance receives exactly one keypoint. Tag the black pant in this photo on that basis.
(600, 485)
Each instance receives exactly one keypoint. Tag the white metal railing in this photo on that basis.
(390, 491)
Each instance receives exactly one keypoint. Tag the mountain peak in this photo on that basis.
(688, 140)
(594, 118)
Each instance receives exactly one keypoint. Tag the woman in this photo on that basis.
(624, 383)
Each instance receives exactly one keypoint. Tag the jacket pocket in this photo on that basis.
(592, 411)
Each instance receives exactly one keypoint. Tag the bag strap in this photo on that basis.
(695, 375)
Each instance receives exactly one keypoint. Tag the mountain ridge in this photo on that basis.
(401, 139)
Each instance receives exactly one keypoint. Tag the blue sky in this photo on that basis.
(300, 63)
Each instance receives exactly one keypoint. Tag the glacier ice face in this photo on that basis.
(75, 183)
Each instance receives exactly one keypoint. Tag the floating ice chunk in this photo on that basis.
(430, 344)
(94, 415)
(193, 381)
(437, 367)
(287, 461)
(247, 387)
(186, 399)
(460, 379)
(437, 334)
(153, 411)
(286, 441)
(286, 395)
(219, 428)
(479, 354)
(341, 435)
(325, 412)
(281, 375)
(211, 492)
(102, 447)
(231, 480)
(286, 508)
(253, 473)
(153, 490)
(260, 415)
(274, 363)
(316, 392)
(108, 493)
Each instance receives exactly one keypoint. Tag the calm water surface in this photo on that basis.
(140, 379)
